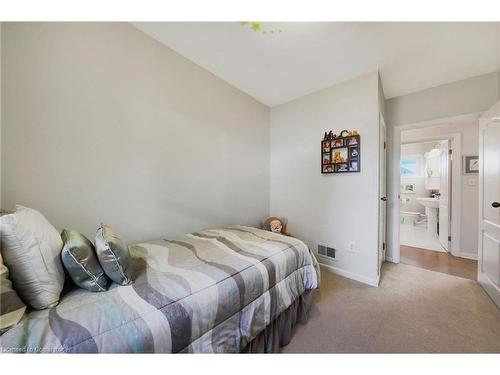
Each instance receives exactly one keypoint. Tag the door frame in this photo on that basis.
(455, 144)
(394, 150)
(382, 232)
(488, 285)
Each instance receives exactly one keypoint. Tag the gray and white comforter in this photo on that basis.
(211, 291)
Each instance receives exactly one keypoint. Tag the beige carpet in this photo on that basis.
(412, 311)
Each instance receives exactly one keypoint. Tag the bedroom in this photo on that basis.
(191, 185)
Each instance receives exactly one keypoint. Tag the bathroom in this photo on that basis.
(424, 194)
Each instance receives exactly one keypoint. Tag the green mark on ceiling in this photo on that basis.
(258, 27)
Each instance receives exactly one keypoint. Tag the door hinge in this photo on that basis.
(383, 246)
(384, 145)
(449, 238)
(450, 151)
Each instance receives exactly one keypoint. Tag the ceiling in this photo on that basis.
(308, 56)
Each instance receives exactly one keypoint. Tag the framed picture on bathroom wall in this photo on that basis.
(411, 166)
(471, 164)
(407, 189)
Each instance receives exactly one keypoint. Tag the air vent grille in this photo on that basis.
(330, 252)
(322, 250)
(326, 251)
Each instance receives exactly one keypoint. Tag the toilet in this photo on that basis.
(410, 217)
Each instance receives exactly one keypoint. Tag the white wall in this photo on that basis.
(469, 182)
(331, 209)
(103, 123)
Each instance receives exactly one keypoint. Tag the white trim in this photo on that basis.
(493, 291)
(467, 256)
(390, 260)
(351, 275)
(381, 232)
(393, 242)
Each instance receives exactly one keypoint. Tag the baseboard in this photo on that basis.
(351, 275)
(491, 289)
(390, 259)
(467, 256)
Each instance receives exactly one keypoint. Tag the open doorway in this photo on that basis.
(437, 230)
(425, 205)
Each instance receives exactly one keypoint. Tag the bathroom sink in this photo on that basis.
(428, 202)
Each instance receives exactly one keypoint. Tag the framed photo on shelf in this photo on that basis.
(353, 166)
(338, 143)
(327, 168)
(339, 155)
(341, 167)
(351, 141)
(353, 152)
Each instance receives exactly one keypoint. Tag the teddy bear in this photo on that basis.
(275, 225)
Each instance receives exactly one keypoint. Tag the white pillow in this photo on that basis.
(31, 249)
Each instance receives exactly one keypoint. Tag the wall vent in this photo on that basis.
(326, 251)
(330, 252)
(322, 250)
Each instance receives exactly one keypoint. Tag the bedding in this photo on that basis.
(11, 307)
(204, 292)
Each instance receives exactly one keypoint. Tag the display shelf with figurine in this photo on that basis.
(341, 153)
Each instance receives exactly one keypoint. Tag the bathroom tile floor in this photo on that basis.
(416, 236)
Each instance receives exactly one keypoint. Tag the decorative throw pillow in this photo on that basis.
(79, 259)
(113, 255)
(12, 308)
(31, 249)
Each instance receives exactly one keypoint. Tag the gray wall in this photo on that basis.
(471, 95)
(339, 210)
(103, 123)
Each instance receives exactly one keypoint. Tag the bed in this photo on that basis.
(234, 289)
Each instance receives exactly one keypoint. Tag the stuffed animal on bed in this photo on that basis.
(275, 225)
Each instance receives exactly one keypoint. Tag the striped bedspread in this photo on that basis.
(210, 291)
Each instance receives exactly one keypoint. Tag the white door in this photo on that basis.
(444, 198)
(382, 194)
(489, 203)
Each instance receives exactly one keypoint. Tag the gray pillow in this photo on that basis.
(31, 249)
(12, 308)
(79, 259)
(113, 255)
